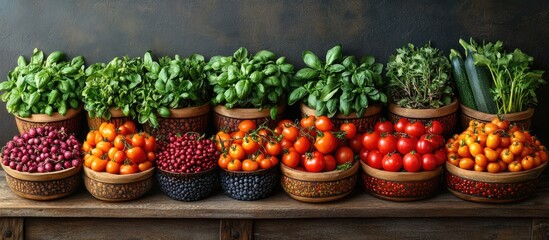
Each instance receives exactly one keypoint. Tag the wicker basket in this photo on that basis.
(318, 187)
(182, 120)
(368, 120)
(228, 119)
(522, 119)
(115, 188)
(72, 121)
(117, 117)
(447, 115)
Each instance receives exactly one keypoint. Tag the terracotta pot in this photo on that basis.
(522, 119)
(182, 120)
(400, 186)
(115, 188)
(43, 186)
(318, 187)
(363, 124)
(492, 187)
(117, 117)
(446, 115)
(72, 121)
(228, 119)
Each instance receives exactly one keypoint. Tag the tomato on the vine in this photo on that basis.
(314, 163)
(326, 142)
(307, 122)
(236, 151)
(234, 165)
(247, 125)
(302, 145)
(330, 163)
(323, 123)
(249, 165)
(273, 148)
(291, 159)
(250, 145)
(349, 129)
(290, 133)
(344, 155)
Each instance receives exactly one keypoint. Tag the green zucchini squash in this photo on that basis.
(460, 77)
(481, 84)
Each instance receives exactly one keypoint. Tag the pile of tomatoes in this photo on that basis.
(409, 146)
(312, 145)
(495, 147)
(119, 149)
(249, 149)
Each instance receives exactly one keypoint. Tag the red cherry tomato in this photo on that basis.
(370, 140)
(436, 128)
(412, 162)
(423, 146)
(392, 162)
(314, 163)
(428, 162)
(387, 144)
(374, 159)
(384, 126)
(440, 156)
(349, 129)
(415, 129)
(401, 124)
(344, 154)
(406, 143)
(356, 143)
(364, 155)
(330, 163)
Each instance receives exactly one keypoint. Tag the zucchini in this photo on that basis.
(464, 89)
(481, 84)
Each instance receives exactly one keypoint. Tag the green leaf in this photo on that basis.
(329, 95)
(230, 95)
(135, 80)
(287, 68)
(312, 100)
(163, 75)
(272, 96)
(274, 112)
(272, 81)
(37, 57)
(264, 55)
(296, 95)
(243, 89)
(333, 54)
(241, 54)
(311, 60)
(21, 61)
(6, 85)
(321, 108)
(348, 61)
(256, 76)
(363, 101)
(160, 86)
(331, 105)
(368, 60)
(345, 106)
(306, 74)
(147, 60)
(336, 68)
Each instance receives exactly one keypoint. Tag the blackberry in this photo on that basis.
(249, 186)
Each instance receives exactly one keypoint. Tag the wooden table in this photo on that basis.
(359, 216)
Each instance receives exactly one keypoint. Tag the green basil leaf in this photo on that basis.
(311, 60)
(329, 95)
(243, 89)
(163, 75)
(241, 54)
(147, 60)
(368, 60)
(281, 60)
(54, 57)
(333, 54)
(345, 106)
(287, 68)
(348, 61)
(264, 55)
(230, 95)
(174, 71)
(256, 76)
(273, 97)
(312, 100)
(274, 112)
(331, 106)
(306, 74)
(48, 110)
(321, 108)
(6, 85)
(382, 97)
(21, 61)
(37, 57)
(135, 80)
(363, 100)
(296, 95)
(336, 68)
(272, 81)
(62, 109)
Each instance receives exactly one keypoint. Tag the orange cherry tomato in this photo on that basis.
(493, 167)
(113, 167)
(223, 160)
(112, 152)
(502, 166)
(249, 165)
(265, 163)
(493, 140)
(478, 168)
(119, 141)
(234, 165)
(286, 144)
(291, 159)
(151, 156)
(323, 123)
(491, 154)
(150, 144)
(108, 131)
(130, 127)
(138, 140)
(463, 151)
(86, 147)
(250, 145)
(514, 166)
(307, 122)
(283, 123)
(128, 169)
(453, 159)
(519, 136)
(97, 152)
(237, 137)
(273, 148)
(145, 165)
(490, 128)
(290, 133)
(505, 142)
(527, 163)
(507, 156)
(88, 159)
(236, 151)
(475, 149)
(222, 141)
(274, 160)
(90, 138)
(516, 148)
(99, 164)
(120, 156)
(467, 163)
(247, 126)
(481, 160)
(136, 154)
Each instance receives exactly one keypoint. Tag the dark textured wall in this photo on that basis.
(101, 30)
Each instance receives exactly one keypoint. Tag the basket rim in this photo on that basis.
(517, 116)
(501, 177)
(425, 113)
(401, 176)
(371, 110)
(37, 177)
(319, 176)
(55, 117)
(246, 113)
(259, 171)
(106, 177)
(176, 174)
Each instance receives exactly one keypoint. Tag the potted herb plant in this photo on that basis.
(341, 88)
(111, 90)
(420, 87)
(45, 91)
(248, 87)
(501, 83)
(175, 96)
